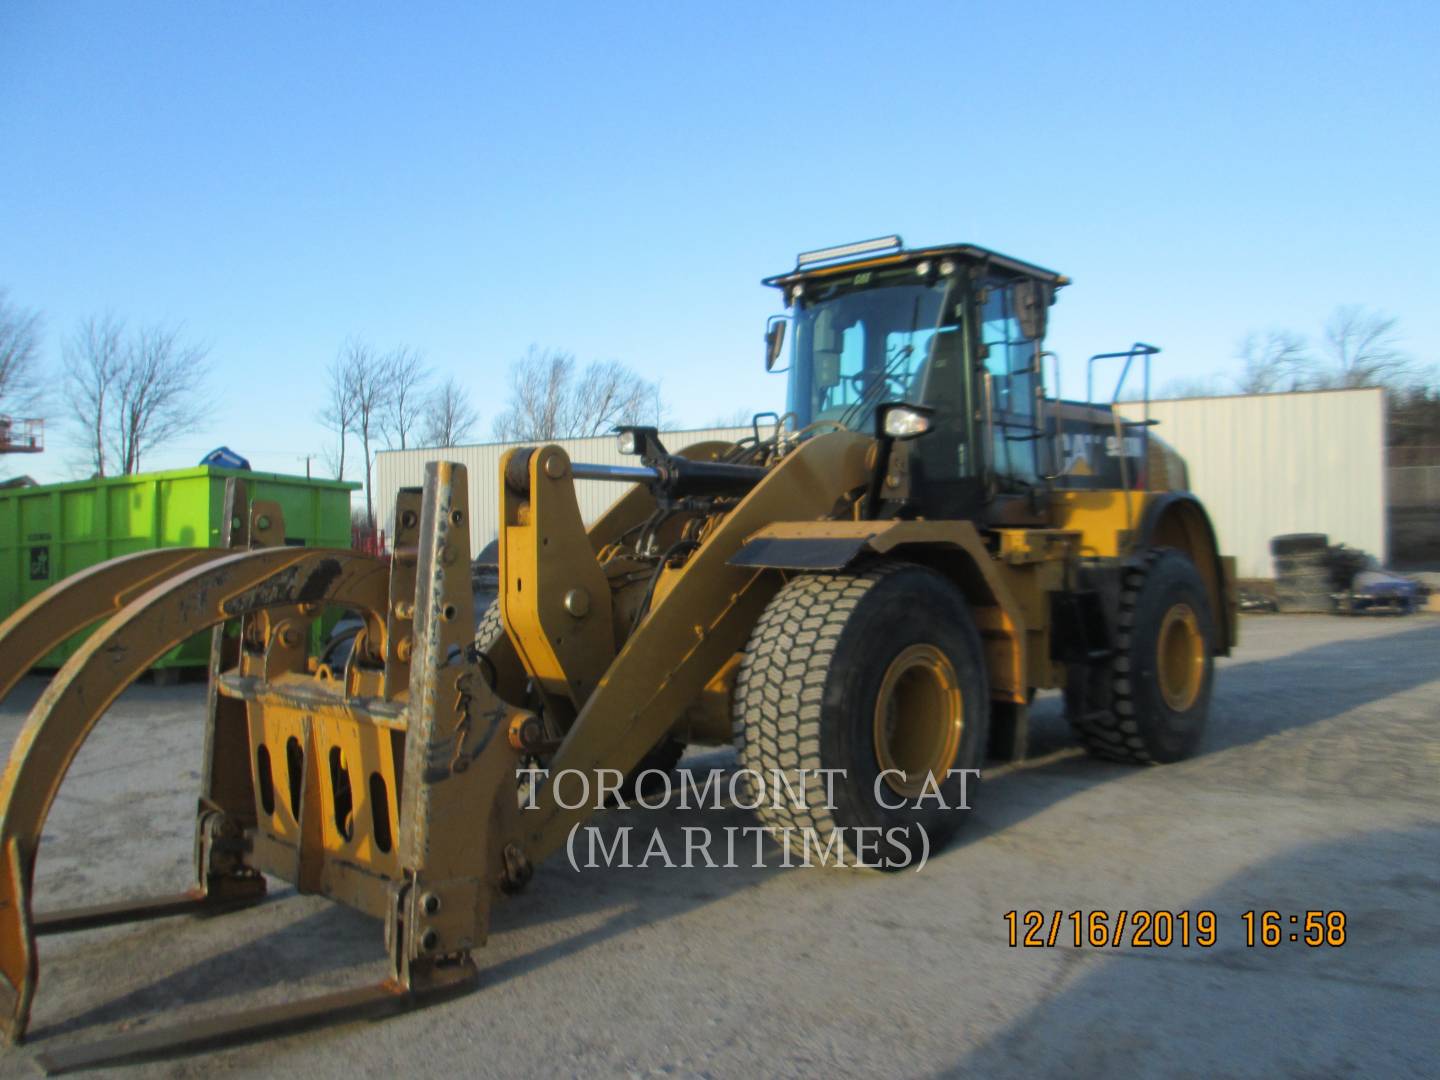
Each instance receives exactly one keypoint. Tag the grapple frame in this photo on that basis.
(387, 784)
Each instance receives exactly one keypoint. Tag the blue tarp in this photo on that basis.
(225, 458)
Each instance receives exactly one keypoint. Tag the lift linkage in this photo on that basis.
(346, 780)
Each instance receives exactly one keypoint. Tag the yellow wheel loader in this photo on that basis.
(872, 587)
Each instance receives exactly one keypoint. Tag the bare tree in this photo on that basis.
(367, 385)
(1414, 418)
(400, 414)
(20, 384)
(338, 415)
(330, 460)
(1275, 361)
(551, 399)
(654, 409)
(157, 393)
(129, 393)
(610, 394)
(1363, 348)
(449, 416)
(373, 397)
(94, 360)
(539, 386)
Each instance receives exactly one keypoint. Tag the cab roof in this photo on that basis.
(891, 251)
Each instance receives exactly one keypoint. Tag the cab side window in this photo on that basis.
(1010, 361)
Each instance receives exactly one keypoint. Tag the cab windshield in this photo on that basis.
(863, 340)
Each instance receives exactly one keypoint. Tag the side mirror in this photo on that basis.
(1032, 300)
(774, 341)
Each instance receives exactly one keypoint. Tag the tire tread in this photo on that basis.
(781, 683)
(1109, 732)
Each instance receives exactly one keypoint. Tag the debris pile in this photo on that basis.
(1312, 575)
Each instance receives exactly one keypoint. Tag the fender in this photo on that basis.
(1177, 519)
(952, 547)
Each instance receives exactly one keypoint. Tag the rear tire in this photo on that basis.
(1149, 702)
(863, 672)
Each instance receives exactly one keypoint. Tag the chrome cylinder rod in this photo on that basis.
(629, 474)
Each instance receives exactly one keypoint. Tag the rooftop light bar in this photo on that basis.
(862, 247)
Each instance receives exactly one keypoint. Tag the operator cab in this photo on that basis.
(957, 330)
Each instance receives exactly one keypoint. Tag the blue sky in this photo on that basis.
(614, 179)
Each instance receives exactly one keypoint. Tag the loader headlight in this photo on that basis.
(899, 421)
(627, 443)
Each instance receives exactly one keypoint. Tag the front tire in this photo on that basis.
(863, 673)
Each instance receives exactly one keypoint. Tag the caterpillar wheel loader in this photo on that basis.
(876, 585)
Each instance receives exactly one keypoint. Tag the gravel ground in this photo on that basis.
(1316, 789)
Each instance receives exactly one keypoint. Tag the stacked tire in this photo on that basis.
(1302, 572)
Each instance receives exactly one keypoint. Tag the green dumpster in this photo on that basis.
(52, 531)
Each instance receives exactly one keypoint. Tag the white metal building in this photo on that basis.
(1267, 464)
(395, 469)
(1263, 465)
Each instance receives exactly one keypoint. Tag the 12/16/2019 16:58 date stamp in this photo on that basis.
(1148, 929)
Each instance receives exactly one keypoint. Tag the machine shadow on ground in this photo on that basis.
(1365, 1008)
(1239, 712)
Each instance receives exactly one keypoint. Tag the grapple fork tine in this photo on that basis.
(371, 1002)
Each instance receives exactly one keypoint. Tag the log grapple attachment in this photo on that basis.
(386, 782)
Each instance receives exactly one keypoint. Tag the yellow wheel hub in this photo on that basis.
(1180, 656)
(919, 718)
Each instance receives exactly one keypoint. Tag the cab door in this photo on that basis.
(1008, 370)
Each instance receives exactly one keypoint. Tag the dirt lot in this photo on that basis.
(1317, 789)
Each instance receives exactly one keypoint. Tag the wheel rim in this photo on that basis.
(919, 718)
(1181, 658)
